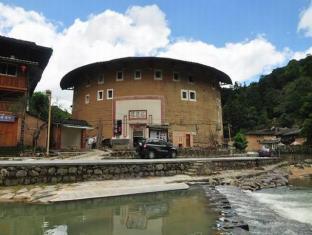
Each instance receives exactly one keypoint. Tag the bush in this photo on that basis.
(240, 141)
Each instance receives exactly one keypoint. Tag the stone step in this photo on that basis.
(192, 170)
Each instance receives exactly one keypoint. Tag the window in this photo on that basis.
(137, 74)
(3, 68)
(100, 95)
(176, 76)
(184, 95)
(8, 69)
(87, 99)
(101, 79)
(109, 94)
(157, 74)
(190, 79)
(88, 83)
(12, 70)
(119, 76)
(192, 95)
(188, 95)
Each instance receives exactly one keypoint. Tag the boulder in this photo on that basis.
(43, 171)
(3, 173)
(33, 173)
(62, 171)
(72, 170)
(98, 172)
(51, 171)
(21, 173)
(159, 167)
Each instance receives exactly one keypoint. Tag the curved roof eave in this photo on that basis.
(69, 79)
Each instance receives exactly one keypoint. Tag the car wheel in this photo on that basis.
(151, 155)
(173, 154)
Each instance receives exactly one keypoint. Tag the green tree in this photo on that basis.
(39, 105)
(59, 114)
(240, 141)
(282, 98)
(307, 129)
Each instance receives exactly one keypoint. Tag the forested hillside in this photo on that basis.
(282, 98)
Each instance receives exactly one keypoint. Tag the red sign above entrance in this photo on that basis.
(137, 114)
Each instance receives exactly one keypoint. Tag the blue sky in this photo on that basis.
(216, 21)
(244, 38)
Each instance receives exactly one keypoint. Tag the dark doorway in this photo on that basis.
(188, 140)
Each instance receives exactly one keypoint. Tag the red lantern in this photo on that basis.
(23, 68)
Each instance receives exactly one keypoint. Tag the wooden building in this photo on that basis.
(272, 138)
(21, 66)
(141, 97)
(69, 134)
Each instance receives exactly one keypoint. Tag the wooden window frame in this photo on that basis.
(187, 95)
(188, 79)
(100, 82)
(107, 94)
(178, 74)
(87, 100)
(97, 95)
(122, 76)
(7, 69)
(134, 74)
(161, 77)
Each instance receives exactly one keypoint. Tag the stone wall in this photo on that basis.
(21, 175)
(24, 173)
(207, 168)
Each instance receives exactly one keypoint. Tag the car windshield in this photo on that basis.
(156, 141)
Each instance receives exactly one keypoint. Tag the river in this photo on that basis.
(184, 212)
(283, 210)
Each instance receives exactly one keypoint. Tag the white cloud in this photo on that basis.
(139, 31)
(241, 61)
(298, 55)
(18, 23)
(108, 35)
(305, 22)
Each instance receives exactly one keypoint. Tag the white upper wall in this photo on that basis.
(152, 106)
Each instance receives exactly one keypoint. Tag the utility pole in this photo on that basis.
(230, 140)
(48, 93)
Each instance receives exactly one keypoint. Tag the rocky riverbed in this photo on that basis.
(229, 222)
(251, 179)
(275, 177)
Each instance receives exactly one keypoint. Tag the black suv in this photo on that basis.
(152, 148)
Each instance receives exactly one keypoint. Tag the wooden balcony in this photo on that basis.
(5, 106)
(10, 107)
(12, 83)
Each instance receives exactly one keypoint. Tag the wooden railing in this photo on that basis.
(12, 83)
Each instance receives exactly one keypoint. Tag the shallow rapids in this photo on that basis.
(285, 210)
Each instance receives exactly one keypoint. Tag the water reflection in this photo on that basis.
(181, 212)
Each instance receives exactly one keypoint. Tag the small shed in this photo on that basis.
(69, 134)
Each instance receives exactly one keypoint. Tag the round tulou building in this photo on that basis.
(149, 97)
